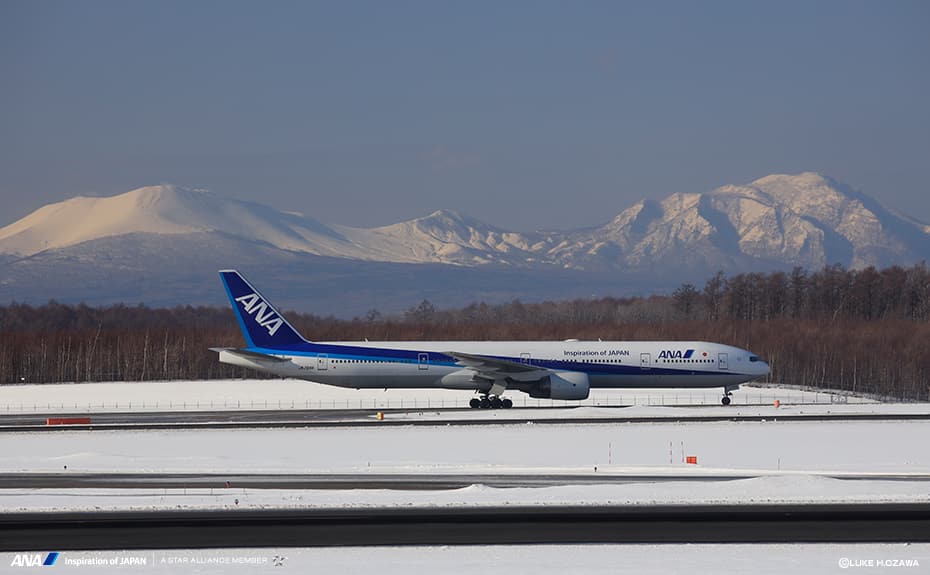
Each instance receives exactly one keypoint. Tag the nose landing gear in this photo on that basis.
(490, 402)
(727, 392)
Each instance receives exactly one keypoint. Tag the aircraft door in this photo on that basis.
(722, 362)
(322, 362)
(645, 361)
(423, 361)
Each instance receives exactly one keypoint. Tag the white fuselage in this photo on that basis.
(545, 369)
(425, 364)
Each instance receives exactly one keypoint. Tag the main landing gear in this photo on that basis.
(490, 402)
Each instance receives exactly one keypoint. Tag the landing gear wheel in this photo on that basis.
(475, 403)
(506, 403)
(495, 403)
(484, 403)
(725, 400)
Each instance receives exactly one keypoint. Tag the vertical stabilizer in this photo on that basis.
(262, 325)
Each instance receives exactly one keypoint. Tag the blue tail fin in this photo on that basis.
(262, 325)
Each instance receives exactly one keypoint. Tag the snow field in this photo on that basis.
(808, 447)
(787, 459)
(295, 394)
(788, 489)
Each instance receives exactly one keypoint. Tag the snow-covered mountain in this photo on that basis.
(806, 219)
(774, 222)
(167, 210)
(812, 220)
(445, 236)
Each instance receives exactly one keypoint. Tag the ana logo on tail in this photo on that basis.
(264, 314)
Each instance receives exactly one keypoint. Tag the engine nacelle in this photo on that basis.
(562, 385)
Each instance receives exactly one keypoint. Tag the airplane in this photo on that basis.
(565, 370)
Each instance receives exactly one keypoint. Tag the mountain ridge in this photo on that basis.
(804, 219)
(775, 222)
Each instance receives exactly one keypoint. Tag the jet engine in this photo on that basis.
(562, 385)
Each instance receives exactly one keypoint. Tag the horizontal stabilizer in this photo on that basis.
(249, 354)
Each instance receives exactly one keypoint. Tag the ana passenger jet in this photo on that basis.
(543, 369)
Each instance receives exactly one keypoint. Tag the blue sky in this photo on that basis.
(526, 114)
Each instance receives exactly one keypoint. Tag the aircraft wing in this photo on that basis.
(249, 354)
(496, 368)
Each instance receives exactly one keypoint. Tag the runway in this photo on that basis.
(474, 526)
(392, 481)
(230, 419)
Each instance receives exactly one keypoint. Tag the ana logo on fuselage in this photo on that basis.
(265, 316)
(676, 354)
(34, 559)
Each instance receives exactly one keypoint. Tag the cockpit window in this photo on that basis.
(754, 358)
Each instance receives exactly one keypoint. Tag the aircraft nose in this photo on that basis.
(764, 368)
(759, 366)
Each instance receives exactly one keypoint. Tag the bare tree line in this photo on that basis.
(859, 330)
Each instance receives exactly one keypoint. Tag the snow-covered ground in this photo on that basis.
(798, 456)
(786, 462)
(850, 446)
(790, 459)
(294, 394)
(783, 489)
(782, 462)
